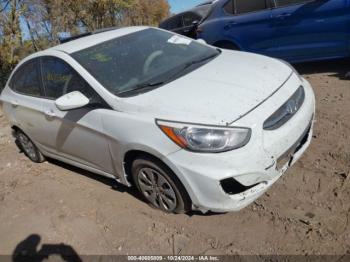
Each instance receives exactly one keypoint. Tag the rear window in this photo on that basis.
(190, 17)
(172, 23)
(187, 18)
(203, 10)
(244, 6)
(280, 3)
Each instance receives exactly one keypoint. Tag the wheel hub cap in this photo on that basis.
(155, 187)
(27, 145)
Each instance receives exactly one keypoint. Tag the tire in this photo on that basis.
(227, 45)
(159, 186)
(28, 147)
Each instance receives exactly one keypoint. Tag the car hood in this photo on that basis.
(219, 92)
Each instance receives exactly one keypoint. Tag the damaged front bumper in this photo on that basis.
(253, 168)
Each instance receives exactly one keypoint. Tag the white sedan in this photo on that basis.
(192, 127)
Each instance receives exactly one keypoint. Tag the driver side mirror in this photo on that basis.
(71, 101)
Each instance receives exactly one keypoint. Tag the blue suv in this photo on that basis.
(293, 30)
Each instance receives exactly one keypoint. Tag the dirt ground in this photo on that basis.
(306, 211)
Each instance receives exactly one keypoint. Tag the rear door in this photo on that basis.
(249, 24)
(25, 102)
(75, 134)
(313, 29)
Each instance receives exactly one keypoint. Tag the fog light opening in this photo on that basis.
(233, 187)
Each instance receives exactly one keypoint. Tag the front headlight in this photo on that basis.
(206, 139)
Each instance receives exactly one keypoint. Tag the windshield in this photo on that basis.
(143, 60)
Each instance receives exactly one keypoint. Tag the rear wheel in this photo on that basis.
(28, 147)
(159, 186)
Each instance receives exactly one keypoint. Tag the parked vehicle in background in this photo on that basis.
(186, 23)
(293, 30)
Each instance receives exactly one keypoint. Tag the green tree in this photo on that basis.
(11, 37)
(43, 20)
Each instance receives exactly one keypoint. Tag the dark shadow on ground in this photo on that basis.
(114, 185)
(111, 183)
(201, 214)
(339, 68)
(27, 250)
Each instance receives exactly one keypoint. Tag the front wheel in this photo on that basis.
(159, 186)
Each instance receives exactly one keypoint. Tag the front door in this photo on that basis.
(75, 134)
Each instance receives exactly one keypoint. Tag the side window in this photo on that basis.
(26, 79)
(56, 75)
(229, 7)
(60, 79)
(280, 3)
(189, 18)
(244, 6)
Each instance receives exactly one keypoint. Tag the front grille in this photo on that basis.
(286, 111)
(287, 157)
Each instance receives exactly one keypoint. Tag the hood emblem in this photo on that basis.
(292, 107)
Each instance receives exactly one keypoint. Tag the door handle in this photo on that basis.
(50, 113)
(284, 15)
(230, 24)
(14, 103)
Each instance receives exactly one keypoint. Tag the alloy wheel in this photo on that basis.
(27, 146)
(155, 187)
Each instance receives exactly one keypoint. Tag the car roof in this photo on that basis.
(95, 39)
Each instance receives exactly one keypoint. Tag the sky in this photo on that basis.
(181, 5)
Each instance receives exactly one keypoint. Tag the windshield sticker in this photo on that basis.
(178, 40)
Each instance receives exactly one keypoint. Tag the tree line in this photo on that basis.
(28, 26)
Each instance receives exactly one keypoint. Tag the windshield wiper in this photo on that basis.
(202, 60)
(143, 86)
(190, 64)
(151, 85)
